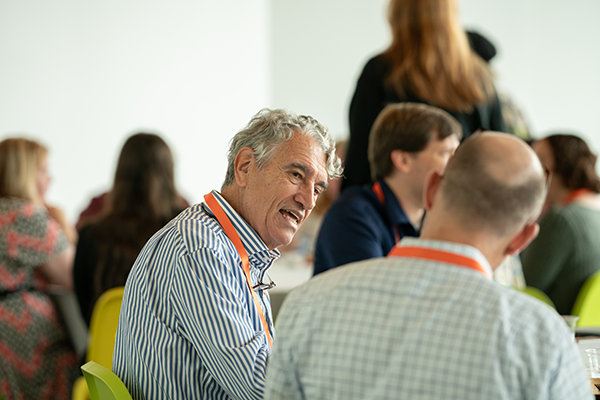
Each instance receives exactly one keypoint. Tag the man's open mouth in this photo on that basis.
(291, 215)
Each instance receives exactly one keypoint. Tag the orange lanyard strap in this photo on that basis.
(574, 195)
(379, 193)
(438, 255)
(232, 234)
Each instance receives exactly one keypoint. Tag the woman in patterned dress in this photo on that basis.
(37, 360)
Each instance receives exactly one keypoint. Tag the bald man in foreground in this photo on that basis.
(428, 322)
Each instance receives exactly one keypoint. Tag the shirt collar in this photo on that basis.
(450, 247)
(259, 254)
(393, 207)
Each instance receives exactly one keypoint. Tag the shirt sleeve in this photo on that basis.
(568, 379)
(214, 313)
(548, 254)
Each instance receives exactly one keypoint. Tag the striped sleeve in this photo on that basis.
(206, 284)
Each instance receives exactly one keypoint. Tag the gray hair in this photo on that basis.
(269, 129)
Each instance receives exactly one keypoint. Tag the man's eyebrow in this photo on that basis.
(307, 171)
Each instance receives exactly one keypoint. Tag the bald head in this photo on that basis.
(494, 183)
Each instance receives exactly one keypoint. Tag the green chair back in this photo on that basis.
(587, 303)
(538, 294)
(103, 383)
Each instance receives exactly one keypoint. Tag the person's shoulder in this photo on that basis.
(14, 202)
(579, 222)
(563, 218)
(378, 64)
(524, 313)
(355, 203)
(329, 282)
(87, 233)
(555, 213)
(367, 272)
(356, 198)
(576, 210)
(197, 229)
(15, 208)
(513, 315)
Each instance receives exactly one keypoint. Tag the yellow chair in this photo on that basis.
(103, 330)
(538, 294)
(80, 390)
(103, 384)
(587, 303)
(103, 327)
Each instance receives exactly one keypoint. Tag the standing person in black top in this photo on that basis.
(429, 61)
(143, 199)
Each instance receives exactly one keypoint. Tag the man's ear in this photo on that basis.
(432, 185)
(401, 160)
(244, 162)
(523, 238)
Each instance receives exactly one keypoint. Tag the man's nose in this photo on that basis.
(306, 197)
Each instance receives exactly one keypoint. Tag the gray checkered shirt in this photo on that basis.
(417, 329)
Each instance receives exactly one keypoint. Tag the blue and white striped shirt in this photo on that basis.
(188, 326)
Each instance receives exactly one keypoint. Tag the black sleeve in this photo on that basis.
(367, 102)
(84, 269)
(496, 119)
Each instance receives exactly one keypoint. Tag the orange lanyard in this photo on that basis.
(379, 193)
(574, 195)
(232, 234)
(438, 255)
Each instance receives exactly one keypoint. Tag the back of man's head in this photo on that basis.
(494, 183)
(408, 127)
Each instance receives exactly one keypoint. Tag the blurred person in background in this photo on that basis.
(408, 140)
(36, 356)
(429, 61)
(142, 200)
(514, 117)
(567, 250)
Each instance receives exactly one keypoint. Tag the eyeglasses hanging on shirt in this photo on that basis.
(264, 286)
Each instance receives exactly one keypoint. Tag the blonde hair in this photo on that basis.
(19, 162)
(431, 57)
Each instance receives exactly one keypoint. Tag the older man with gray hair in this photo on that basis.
(428, 321)
(196, 318)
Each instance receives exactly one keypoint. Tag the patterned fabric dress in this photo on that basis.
(37, 360)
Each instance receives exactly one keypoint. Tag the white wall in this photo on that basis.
(547, 56)
(319, 48)
(547, 59)
(82, 76)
